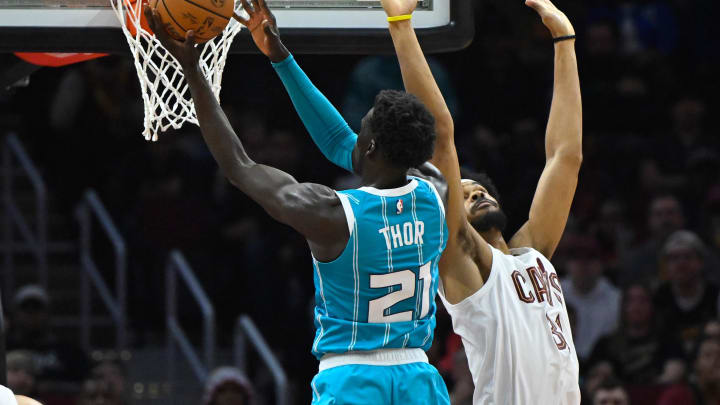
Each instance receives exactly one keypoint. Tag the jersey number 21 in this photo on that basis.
(407, 281)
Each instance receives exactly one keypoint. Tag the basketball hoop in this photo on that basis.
(166, 95)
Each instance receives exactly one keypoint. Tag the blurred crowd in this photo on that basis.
(638, 262)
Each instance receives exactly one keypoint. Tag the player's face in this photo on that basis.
(478, 202)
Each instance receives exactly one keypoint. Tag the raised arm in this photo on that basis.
(313, 210)
(326, 126)
(465, 248)
(563, 142)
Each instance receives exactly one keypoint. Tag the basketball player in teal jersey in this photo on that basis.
(375, 249)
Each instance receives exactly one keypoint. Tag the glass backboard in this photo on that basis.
(308, 26)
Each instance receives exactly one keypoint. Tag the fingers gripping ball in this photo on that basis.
(207, 18)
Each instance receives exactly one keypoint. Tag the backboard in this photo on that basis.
(307, 26)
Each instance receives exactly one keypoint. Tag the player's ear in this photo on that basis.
(371, 147)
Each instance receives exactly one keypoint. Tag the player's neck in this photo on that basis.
(495, 238)
(384, 178)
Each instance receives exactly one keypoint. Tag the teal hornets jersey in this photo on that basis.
(380, 292)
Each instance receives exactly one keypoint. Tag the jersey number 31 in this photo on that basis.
(407, 281)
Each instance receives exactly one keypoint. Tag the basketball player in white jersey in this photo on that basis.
(504, 297)
(7, 398)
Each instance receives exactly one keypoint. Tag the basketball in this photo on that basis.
(207, 18)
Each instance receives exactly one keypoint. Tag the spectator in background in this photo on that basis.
(610, 392)
(29, 330)
(98, 392)
(603, 68)
(706, 382)
(228, 386)
(595, 377)
(595, 300)
(639, 351)
(647, 26)
(711, 224)
(665, 217)
(614, 234)
(685, 158)
(687, 301)
(712, 329)
(113, 374)
(21, 372)
(688, 132)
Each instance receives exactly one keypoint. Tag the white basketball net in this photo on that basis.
(166, 95)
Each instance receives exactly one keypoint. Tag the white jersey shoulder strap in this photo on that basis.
(349, 214)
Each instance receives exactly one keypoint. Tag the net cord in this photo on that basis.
(167, 102)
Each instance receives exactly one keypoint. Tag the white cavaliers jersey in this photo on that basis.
(516, 334)
(6, 396)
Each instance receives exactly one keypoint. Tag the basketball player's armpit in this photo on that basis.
(465, 241)
(460, 274)
(472, 245)
(326, 126)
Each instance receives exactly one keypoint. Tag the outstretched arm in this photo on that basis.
(563, 142)
(326, 126)
(312, 209)
(465, 246)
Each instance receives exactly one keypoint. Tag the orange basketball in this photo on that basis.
(207, 18)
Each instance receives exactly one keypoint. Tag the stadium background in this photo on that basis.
(651, 166)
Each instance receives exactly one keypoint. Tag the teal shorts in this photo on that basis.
(358, 384)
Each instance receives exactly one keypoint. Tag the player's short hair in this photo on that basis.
(483, 179)
(403, 127)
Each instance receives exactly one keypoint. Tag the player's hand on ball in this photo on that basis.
(184, 51)
(555, 20)
(263, 27)
(395, 8)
